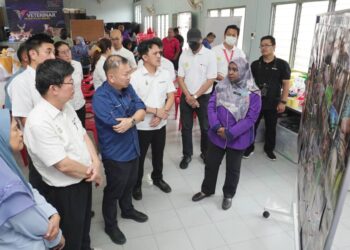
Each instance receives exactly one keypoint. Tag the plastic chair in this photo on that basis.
(24, 156)
(177, 100)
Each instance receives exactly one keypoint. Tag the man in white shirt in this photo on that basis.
(227, 51)
(22, 92)
(165, 64)
(155, 88)
(197, 72)
(118, 49)
(62, 152)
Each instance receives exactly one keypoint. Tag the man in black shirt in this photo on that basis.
(270, 74)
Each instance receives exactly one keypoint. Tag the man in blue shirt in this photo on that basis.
(117, 110)
(209, 40)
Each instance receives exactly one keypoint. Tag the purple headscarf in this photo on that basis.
(235, 96)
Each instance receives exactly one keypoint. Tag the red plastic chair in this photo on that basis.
(177, 100)
(24, 156)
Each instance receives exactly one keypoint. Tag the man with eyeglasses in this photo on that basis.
(62, 152)
(118, 49)
(117, 111)
(271, 74)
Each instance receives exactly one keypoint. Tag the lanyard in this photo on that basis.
(228, 59)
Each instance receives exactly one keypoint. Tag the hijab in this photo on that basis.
(235, 96)
(15, 192)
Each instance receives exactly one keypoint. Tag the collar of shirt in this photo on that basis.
(200, 52)
(223, 47)
(114, 91)
(51, 110)
(145, 71)
(31, 71)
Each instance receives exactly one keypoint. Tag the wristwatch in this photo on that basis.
(195, 97)
(284, 102)
(133, 122)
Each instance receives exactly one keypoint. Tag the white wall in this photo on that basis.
(257, 20)
(107, 10)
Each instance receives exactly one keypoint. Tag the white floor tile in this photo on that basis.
(147, 242)
(193, 216)
(164, 221)
(254, 244)
(205, 237)
(173, 240)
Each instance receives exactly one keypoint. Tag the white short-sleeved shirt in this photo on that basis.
(78, 100)
(99, 75)
(221, 59)
(127, 54)
(197, 68)
(52, 135)
(153, 90)
(165, 64)
(23, 94)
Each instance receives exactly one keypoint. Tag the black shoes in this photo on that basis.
(116, 235)
(248, 152)
(270, 155)
(162, 185)
(199, 196)
(185, 161)
(136, 216)
(137, 193)
(226, 203)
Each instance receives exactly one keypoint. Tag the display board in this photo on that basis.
(323, 176)
(91, 30)
(34, 16)
(217, 25)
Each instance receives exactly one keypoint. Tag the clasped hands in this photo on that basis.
(192, 101)
(159, 115)
(221, 132)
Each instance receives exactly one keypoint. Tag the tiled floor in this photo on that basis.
(177, 223)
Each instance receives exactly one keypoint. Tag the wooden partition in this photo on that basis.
(91, 30)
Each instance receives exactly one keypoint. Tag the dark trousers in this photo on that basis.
(233, 168)
(73, 203)
(81, 114)
(121, 178)
(35, 178)
(270, 117)
(186, 116)
(155, 138)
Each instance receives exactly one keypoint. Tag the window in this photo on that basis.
(293, 28)
(148, 23)
(184, 22)
(283, 29)
(240, 12)
(306, 32)
(237, 12)
(342, 4)
(137, 13)
(162, 25)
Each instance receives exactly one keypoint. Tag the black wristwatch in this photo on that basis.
(283, 102)
(133, 122)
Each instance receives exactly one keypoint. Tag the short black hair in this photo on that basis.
(51, 72)
(146, 45)
(269, 37)
(233, 26)
(212, 34)
(36, 41)
(58, 45)
(159, 41)
(113, 62)
(176, 29)
(21, 49)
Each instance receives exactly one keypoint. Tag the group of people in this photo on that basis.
(131, 106)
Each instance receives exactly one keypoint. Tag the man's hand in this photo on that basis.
(221, 133)
(60, 245)
(162, 113)
(281, 107)
(155, 121)
(124, 125)
(95, 171)
(54, 227)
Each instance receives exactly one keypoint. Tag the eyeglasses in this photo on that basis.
(115, 39)
(265, 46)
(64, 52)
(71, 82)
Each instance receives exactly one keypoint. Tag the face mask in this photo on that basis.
(194, 46)
(231, 40)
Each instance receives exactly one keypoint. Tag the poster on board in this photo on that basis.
(323, 176)
(30, 17)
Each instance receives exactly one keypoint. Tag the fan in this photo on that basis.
(151, 10)
(195, 4)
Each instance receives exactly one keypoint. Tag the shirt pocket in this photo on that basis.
(117, 111)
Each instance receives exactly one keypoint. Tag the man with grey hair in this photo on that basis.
(117, 110)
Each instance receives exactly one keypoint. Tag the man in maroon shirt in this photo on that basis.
(171, 46)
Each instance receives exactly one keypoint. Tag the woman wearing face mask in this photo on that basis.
(24, 213)
(232, 111)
